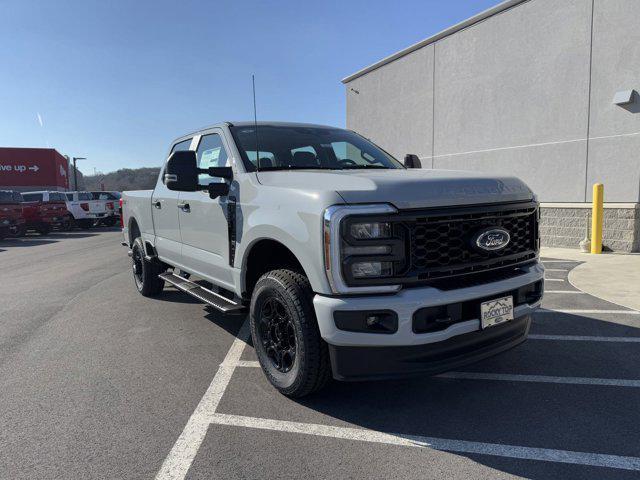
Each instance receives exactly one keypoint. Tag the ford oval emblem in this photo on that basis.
(492, 239)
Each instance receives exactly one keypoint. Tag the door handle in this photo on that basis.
(184, 207)
(157, 204)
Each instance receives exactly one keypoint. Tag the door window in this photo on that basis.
(210, 153)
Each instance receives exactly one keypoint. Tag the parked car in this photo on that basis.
(85, 210)
(109, 202)
(12, 220)
(351, 264)
(45, 210)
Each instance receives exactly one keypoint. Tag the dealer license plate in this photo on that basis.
(495, 312)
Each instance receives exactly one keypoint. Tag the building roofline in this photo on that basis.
(501, 7)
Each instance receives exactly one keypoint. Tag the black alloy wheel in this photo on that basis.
(277, 334)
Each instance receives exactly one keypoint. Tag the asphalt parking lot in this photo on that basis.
(97, 381)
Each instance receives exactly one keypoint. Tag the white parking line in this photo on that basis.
(571, 310)
(577, 292)
(507, 377)
(559, 261)
(181, 456)
(584, 338)
(418, 441)
(556, 270)
(555, 280)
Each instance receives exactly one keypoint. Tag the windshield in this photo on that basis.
(302, 147)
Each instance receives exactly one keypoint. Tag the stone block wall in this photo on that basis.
(566, 226)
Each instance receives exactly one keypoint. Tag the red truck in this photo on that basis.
(44, 211)
(11, 218)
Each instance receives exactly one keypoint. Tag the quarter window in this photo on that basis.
(181, 146)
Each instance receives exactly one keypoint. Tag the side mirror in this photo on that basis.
(412, 161)
(218, 190)
(181, 171)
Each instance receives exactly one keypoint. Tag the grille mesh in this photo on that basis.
(440, 244)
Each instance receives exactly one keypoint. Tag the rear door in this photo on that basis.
(203, 221)
(164, 210)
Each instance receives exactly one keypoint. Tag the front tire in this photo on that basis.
(285, 334)
(145, 272)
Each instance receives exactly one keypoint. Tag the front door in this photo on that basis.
(164, 209)
(203, 221)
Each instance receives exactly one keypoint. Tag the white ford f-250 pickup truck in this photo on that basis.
(352, 265)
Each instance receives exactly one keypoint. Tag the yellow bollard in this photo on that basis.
(596, 218)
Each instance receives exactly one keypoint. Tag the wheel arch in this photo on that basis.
(264, 255)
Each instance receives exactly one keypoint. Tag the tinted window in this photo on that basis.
(102, 196)
(17, 197)
(6, 196)
(308, 147)
(32, 197)
(210, 153)
(69, 197)
(181, 146)
(57, 197)
(84, 196)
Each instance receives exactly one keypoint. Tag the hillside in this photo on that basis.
(124, 179)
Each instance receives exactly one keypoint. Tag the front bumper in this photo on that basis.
(379, 363)
(364, 355)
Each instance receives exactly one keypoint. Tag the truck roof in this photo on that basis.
(250, 123)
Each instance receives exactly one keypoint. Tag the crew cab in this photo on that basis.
(351, 264)
(46, 210)
(11, 217)
(85, 209)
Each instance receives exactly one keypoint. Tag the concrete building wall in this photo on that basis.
(402, 94)
(526, 89)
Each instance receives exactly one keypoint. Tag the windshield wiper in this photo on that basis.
(358, 167)
(292, 167)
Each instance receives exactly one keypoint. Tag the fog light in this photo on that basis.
(371, 269)
(378, 321)
(372, 320)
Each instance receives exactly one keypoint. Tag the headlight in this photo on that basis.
(364, 231)
(371, 269)
(361, 251)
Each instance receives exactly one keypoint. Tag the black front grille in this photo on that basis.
(440, 242)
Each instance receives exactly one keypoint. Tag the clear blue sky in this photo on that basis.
(115, 81)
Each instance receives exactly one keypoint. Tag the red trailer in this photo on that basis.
(27, 169)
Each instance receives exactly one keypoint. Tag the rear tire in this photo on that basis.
(66, 224)
(44, 229)
(109, 221)
(145, 272)
(85, 224)
(286, 336)
(20, 231)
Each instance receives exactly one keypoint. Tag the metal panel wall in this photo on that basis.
(518, 92)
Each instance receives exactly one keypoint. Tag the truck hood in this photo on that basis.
(411, 188)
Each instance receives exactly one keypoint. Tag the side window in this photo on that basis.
(17, 196)
(69, 197)
(180, 146)
(210, 153)
(32, 197)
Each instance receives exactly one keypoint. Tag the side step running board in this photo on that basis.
(198, 291)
